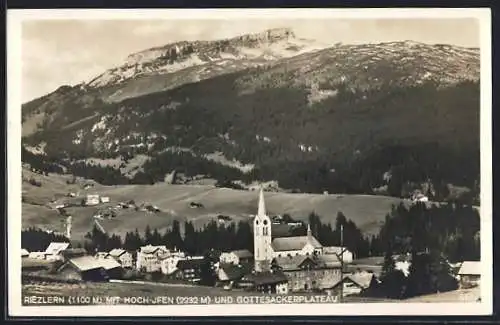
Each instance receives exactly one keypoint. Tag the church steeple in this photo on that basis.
(262, 204)
(262, 237)
(309, 232)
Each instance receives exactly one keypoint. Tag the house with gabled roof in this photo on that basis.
(229, 274)
(353, 284)
(241, 256)
(189, 269)
(272, 282)
(90, 268)
(149, 257)
(339, 251)
(123, 257)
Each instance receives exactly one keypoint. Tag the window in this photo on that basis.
(264, 230)
(265, 222)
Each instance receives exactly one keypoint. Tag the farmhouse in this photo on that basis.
(123, 257)
(54, 249)
(149, 257)
(266, 282)
(169, 264)
(470, 274)
(242, 256)
(189, 269)
(229, 274)
(370, 264)
(353, 284)
(89, 268)
(343, 252)
(72, 253)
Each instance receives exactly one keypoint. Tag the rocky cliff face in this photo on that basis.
(215, 57)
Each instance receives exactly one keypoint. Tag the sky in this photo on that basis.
(68, 52)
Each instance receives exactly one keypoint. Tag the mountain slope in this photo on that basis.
(314, 121)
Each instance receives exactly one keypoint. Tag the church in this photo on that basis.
(303, 261)
(267, 249)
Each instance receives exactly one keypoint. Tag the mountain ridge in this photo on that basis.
(319, 110)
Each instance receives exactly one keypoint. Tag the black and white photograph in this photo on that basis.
(249, 162)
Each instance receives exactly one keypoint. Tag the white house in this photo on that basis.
(169, 264)
(123, 257)
(104, 199)
(236, 257)
(339, 251)
(92, 199)
(149, 257)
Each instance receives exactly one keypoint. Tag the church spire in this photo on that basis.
(262, 204)
(309, 232)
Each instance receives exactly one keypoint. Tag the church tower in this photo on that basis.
(262, 237)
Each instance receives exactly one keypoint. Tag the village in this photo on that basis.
(279, 265)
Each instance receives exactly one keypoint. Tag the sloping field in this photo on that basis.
(174, 201)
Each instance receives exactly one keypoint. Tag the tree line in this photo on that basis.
(203, 122)
(36, 240)
(227, 237)
(452, 230)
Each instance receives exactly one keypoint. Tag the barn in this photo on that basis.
(89, 268)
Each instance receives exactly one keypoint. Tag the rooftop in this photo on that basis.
(295, 243)
(117, 252)
(85, 263)
(56, 247)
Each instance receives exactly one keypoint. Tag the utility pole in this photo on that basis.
(341, 263)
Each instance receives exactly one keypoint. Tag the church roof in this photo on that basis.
(295, 243)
